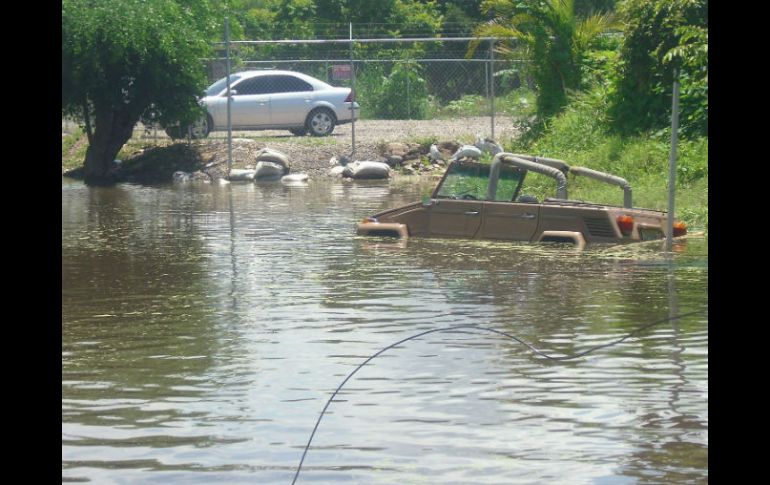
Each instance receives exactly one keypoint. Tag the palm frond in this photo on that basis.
(588, 29)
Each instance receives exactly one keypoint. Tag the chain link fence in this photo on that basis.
(413, 88)
(413, 80)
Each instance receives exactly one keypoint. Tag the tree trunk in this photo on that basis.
(113, 129)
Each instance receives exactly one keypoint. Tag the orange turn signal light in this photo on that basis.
(680, 228)
(625, 224)
(369, 220)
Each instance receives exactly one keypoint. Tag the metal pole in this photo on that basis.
(672, 161)
(492, 83)
(229, 100)
(408, 98)
(352, 103)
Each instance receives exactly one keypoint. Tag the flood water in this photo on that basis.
(204, 329)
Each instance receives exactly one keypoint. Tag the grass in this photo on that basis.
(519, 103)
(73, 150)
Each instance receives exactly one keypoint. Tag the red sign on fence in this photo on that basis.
(341, 71)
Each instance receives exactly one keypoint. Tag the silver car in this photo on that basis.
(272, 99)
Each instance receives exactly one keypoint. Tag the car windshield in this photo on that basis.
(218, 86)
(470, 180)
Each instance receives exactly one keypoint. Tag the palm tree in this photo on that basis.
(549, 33)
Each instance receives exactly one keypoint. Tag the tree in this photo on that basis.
(126, 60)
(552, 36)
(661, 35)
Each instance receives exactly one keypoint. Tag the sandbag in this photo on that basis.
(487, 145)
(337, 171)
(269, 170)
(273, 156)
(241, 175)
(367, 170)
(467, 151)
(294, 178)
(182, 177)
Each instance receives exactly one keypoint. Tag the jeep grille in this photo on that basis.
(599, 227)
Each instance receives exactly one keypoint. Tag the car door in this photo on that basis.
(251, 103)
(290, 100)
(509, 221)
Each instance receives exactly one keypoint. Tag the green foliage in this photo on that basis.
(130, 60)
(131, 55)
(403, 94)
(468, 105)
(556, 41)
(518, 103)
(661, 36)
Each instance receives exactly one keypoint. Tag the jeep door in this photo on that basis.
(454, 218)
(512, 221)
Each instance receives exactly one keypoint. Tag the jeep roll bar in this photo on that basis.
(556, 169)
(511, 159)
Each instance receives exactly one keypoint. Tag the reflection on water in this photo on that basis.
(204, 328)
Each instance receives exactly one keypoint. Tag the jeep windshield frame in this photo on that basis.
(470, 180)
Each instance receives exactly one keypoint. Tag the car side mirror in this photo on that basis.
(426, 201)
(233, 92)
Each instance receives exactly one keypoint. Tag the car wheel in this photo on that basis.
(299, 131)
(201, 128)
(320, 122)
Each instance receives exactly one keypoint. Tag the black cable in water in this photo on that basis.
(486, 329)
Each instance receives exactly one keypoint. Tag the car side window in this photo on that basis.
(289, 84)
(254, 85)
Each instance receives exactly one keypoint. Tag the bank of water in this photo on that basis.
(204, 328)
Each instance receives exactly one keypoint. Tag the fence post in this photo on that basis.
(352, 103)
(492, 83)
(229, 99)
(408, 96)
(672, 161)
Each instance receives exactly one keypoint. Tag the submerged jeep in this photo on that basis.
(482, 201)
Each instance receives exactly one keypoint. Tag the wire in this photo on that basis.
(486, 329)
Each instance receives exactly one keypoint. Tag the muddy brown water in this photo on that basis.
(204, 328)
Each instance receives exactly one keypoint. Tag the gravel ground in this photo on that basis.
(312, 154)
(375, 131)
